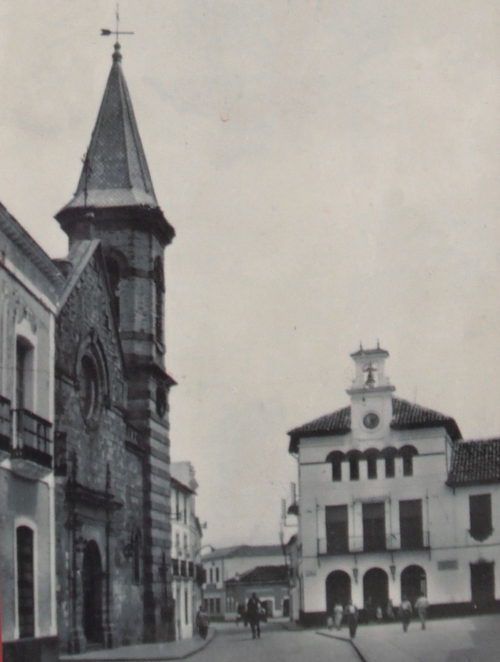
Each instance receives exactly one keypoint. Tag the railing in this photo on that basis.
(33, 437)
(358, 545)
(175, 567)
(5, 424)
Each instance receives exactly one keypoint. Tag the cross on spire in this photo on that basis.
(105, 32)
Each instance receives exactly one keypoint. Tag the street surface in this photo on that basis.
(234, 643)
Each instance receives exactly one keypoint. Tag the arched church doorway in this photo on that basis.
(338, 589)
(375, 591)
(92, 593)
(413, 582)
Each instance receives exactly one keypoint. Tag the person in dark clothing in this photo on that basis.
(202, 622)
(253, 615)
(351, 612)
(405, 612)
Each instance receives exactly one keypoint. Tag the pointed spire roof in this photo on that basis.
(115, 172)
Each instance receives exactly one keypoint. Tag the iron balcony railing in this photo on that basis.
(33, 437)
(359, 545)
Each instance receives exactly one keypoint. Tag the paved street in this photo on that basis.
(235, 644)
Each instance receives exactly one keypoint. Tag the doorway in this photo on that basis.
(413, 582)
(338, 589)
(375, 591)
(92, 593)
(482, 584)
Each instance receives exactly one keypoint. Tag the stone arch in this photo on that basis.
(92, 378)
(375, 590)
(338, 589)
(413, 582)
(92, 576)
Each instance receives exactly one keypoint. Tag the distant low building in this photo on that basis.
(186, 537)
(268, 582)
(393, 502)
(225, 563)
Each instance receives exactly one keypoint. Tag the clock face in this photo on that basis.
(371, 420)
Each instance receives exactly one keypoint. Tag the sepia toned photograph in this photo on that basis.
(249, 330)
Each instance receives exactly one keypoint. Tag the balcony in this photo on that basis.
(5, 428)
(32, 456)
(388, 543)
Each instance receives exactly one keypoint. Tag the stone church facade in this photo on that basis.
(111, 438)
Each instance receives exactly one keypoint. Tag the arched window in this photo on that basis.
(24, 373)
(25, 581)
(90, 387)
(353, 457)
(159, 285)
(389, 455)
(372, 455)
(407, 453)
(336, 458)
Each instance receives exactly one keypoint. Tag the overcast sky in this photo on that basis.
(331, 168)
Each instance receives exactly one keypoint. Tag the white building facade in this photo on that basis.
(29, 285)
(393, 502)
(186, 546)
(227, 563)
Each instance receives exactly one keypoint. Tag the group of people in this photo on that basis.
(351, 614)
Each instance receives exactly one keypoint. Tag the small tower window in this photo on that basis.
(159, 290)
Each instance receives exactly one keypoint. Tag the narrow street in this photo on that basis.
(235, 644)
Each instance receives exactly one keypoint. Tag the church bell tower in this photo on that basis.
(115, 203)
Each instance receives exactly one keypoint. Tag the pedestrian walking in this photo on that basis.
(351, 612)
(254, 607)
(405, 612)
(421, 606)
(378, 614)
(202, 622)
(338, 613)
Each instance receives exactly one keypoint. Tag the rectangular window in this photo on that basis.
(186, 608)
(217, 605)
(211, 603)
(374, 527)
(185, 509)
(217, 574)
(211, 573)
(25, 582)
(480, 516)
(410, 524)
(336, 530)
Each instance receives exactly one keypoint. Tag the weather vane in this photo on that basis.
(105, 32)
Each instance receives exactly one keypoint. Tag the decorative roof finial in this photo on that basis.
(105, 32)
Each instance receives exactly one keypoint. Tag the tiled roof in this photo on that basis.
(115, 172)
(263, 574)
(475, 462)
(243, 551)
(405, 416)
